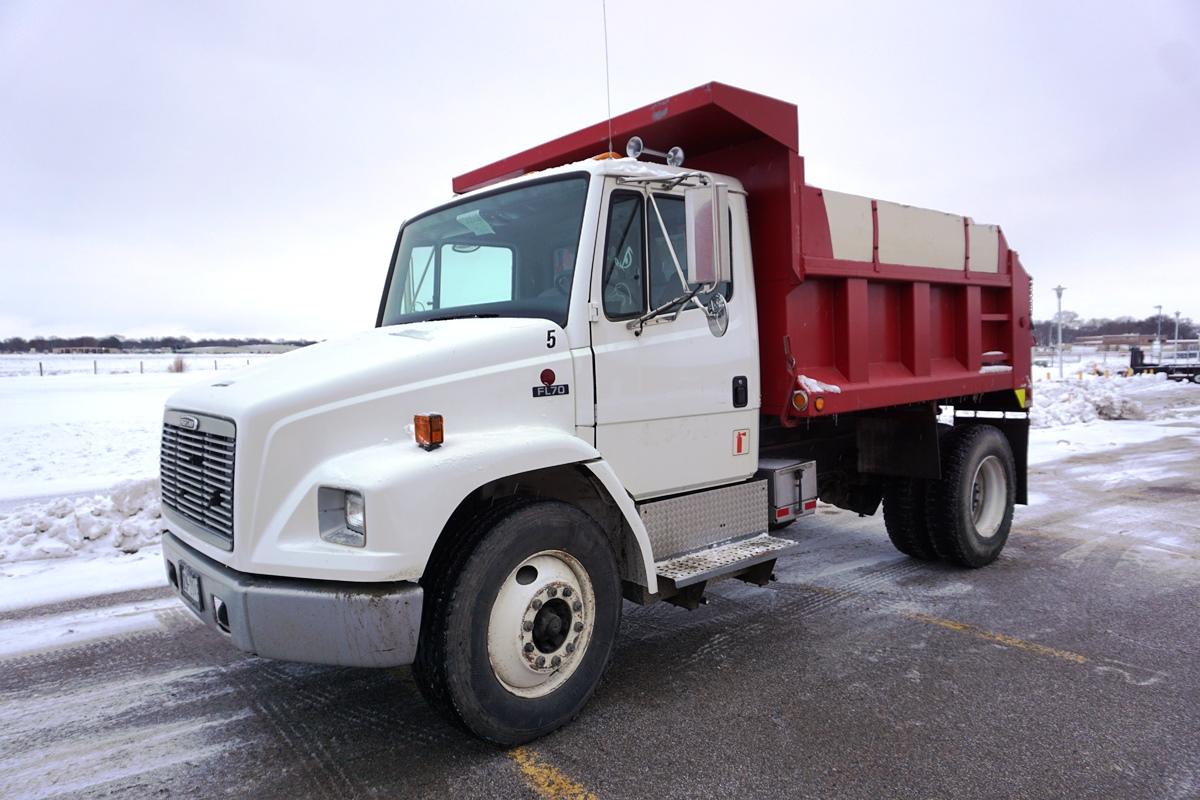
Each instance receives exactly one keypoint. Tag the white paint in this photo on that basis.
(664, 407)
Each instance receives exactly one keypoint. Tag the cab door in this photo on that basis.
(676, 406)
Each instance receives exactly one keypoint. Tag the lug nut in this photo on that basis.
(551, 592)
(577, 606)
(554, 662)
(529, 647)
(578, 627)
(566, 591)
(527, 625)
(570, 647)
(541, 661)
(536, 604)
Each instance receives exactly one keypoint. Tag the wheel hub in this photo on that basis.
(989, 496)
(540, 623)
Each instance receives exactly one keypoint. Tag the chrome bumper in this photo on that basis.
(318, 622)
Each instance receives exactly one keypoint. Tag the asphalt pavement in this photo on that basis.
(1066, 669)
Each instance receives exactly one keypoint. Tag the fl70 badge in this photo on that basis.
(549, 388)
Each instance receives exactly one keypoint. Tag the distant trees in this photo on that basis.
(40, 344)
(1074, 327)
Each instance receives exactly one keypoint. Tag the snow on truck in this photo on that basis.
(595, 379)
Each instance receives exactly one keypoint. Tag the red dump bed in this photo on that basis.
(877, 304)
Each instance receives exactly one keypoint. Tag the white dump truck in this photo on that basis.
(596, 380)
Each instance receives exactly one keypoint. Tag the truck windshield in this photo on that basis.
(506, 254)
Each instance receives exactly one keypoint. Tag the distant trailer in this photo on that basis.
(1187, 371)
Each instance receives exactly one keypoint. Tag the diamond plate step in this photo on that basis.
(704, 565)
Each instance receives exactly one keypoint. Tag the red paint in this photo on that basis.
(547, 376)
(887, 334)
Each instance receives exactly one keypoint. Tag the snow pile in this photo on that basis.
(1067, 402)
(123, 521)
(816, 386)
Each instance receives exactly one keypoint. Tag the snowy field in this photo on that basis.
(118, 363)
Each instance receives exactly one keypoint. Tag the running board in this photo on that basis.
(722, 560)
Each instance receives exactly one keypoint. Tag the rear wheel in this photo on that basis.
(970, 508)
(904, 516)
(519, 623)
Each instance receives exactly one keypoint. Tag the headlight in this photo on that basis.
(342, 516)
(356, 513)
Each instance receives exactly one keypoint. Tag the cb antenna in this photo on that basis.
(607, 82)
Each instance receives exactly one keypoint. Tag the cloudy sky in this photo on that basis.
(242, 168)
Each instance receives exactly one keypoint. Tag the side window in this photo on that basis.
(622, 280)
(474, 275)
(665, 284)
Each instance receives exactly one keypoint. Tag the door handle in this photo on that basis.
(741, 392)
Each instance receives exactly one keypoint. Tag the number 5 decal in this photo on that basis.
(550, 340)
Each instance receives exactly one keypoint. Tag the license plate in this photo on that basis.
(189, 585)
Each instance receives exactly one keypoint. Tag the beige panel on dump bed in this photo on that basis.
(985, 247)
(851, 231)
(919, 237)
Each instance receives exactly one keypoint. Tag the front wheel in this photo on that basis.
(519, 624)
(970, 508)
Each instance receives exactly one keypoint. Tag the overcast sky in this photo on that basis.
(242, 168)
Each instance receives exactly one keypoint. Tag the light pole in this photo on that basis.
(1176, 335)
(1058, 290)
(1158, 332)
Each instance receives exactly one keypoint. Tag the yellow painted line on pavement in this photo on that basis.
(1000, 638)
(546, 779)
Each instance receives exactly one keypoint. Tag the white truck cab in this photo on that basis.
(579, 366)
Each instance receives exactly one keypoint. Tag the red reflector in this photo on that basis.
(547, 377)
(809, 505)
(780, 513)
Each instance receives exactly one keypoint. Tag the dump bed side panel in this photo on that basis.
(896, 304)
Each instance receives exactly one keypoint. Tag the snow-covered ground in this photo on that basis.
(79, 506)
(12, 364)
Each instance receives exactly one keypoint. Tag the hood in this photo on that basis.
(379, 360)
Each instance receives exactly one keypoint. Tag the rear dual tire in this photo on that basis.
(965, 516)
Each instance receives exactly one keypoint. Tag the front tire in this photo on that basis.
(520, 621)
(970, 508)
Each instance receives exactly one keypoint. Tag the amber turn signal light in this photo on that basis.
(429, 430)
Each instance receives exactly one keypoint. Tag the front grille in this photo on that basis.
(197, 472)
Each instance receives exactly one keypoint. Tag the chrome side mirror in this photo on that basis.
(717, 312)
(707, 211)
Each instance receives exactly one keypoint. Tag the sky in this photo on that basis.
(212, 168)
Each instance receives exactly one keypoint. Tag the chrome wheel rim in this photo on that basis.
(989, 497)
(540, 624)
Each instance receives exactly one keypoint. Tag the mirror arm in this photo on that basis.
(662, 226)
(636, 325)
